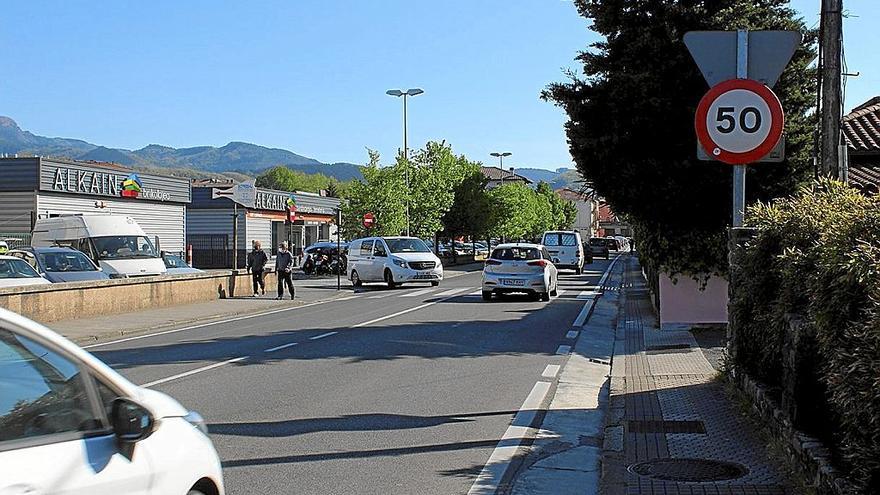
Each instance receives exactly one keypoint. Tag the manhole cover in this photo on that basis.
(693, 470)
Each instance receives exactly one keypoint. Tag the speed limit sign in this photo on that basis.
(739, 121)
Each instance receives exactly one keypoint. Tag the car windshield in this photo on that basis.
(407, 246)
(172, 261)
(16, 268)
(66, 261)
(516, 254)
(597, 242)
(124, 246)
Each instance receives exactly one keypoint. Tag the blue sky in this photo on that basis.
(310, 75)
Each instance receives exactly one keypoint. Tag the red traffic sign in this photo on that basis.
(291, 214)
(369, 220)
(739, 121)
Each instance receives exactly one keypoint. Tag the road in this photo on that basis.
(379, 391)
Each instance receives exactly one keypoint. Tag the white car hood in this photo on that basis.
(417, 257)
(134, 267)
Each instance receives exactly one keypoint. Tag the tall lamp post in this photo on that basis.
(404, 94)
(500, 155)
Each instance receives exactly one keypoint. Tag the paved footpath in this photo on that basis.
(670, 419)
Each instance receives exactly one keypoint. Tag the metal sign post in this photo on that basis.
(338, 249)
(739, 171)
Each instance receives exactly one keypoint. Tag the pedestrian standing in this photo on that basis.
(256, 263)
(284, 269)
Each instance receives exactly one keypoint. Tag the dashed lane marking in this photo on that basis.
(572, 334)
(563, 349)
(316, 337)
(193, 372)
(417, 293)
(551, 371)
(285, 346)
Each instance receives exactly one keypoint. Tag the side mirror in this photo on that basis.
(131, 421)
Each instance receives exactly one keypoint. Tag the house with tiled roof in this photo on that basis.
(861, 128)
(498, 176)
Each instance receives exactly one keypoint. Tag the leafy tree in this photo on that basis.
(380, 194)
(282, 178)
(514, 213)
(471, 208)
(630, 127)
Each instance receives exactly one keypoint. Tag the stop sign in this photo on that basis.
(739, 121)
(369, 220)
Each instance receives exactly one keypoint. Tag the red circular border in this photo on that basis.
(765, 147)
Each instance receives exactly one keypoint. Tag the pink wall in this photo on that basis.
(684, 302)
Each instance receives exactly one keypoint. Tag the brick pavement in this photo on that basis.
(667, 404)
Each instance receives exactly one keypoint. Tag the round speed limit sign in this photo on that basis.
(739, 121)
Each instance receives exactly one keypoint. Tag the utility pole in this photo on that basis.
(831, 28)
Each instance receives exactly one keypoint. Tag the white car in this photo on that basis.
(520, 267)
(16, 272)
(69, 424)
(393, 260)
(566, 249)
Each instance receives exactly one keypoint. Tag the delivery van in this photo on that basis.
(115, 242)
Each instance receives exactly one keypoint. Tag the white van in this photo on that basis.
(565, 248)
(393, 260)
(116, 243)
(69, 424)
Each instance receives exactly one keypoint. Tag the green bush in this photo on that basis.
(817, 255)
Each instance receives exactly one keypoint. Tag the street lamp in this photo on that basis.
(500, 155)
(404, 94)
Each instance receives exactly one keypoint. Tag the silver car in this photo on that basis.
(520, 267)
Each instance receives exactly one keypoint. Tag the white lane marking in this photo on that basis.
(560, 292)
(316, 337)
(582, 316)
(405, 311)
(563, 349)
(347, 298)
(587, 294)
(202, 325)
(608, 271)
(551, 371)
(492, 473)
(585, 311)
(452, 291)
(380, 296)
(416, 293)
(285, 346)
(572, 334)
(193, 372)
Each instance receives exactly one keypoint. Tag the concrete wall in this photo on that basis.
(86, 299)
(683, 303)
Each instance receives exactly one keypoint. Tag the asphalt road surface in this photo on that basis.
(379, 391)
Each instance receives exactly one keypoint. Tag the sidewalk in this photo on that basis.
(86, 331)
(672, 428)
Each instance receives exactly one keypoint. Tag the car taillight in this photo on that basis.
(541, 263)
(493, 262)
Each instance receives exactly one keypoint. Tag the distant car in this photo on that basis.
(16, 272)
(70, 424)
(612, 243)
(60, 264)
(175, 265)
(588, 252)
(520, 267)
(566, 248)
(599, 247)
(393, 260)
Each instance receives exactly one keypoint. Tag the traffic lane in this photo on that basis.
(156, 357)
(414, 405)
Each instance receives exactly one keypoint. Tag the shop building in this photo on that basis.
(210, 221)
(41, 187)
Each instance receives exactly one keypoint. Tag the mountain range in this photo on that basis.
(236, 157)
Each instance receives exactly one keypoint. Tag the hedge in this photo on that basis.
(817, 256)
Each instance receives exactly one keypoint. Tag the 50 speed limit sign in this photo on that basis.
(739, 121)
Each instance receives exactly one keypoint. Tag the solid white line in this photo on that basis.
(608, 270)
(582, 316)
(587, 294)
(452, 291)
(285, 346)
(476, 293)
(405, 311)
(572, 334)
(347, 298)
(551, 371)
(563, 349)
(490, 477)
(202, 325)
(316, 337)
(380, 296)
(416, 293)
(193, 372)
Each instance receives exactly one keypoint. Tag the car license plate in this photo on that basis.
(512, 281)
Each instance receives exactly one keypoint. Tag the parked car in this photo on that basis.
(116, 243)
(612, 243)
(15, 272)
(393, 260)
(60, 264)
(599, 247)
(520, 267)
(566, 249)
(588, 252)
(70, 424)
(444, 251)
(175, 265)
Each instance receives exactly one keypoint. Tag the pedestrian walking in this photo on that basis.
(256, 264)
(284, 269)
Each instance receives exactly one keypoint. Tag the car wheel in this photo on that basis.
(389, 279)
(487, 295)
(355, 279)
(195, 492)
(545, 296)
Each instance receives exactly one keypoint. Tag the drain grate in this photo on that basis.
(657, 426)
(690, 470)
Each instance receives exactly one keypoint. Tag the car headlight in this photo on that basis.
(197, 420)
(400, 263)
